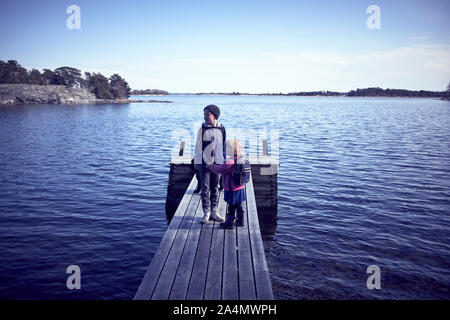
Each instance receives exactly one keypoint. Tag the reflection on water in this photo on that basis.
(361, 182)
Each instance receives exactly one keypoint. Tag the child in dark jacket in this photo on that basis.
(234, 195)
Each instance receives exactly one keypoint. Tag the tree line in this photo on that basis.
(379, 92)
(148, 91)
(316, 93)
(114, 87)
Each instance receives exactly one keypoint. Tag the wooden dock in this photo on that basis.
(207, 262)
(264, 174)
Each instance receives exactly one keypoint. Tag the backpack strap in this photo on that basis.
(224, 133)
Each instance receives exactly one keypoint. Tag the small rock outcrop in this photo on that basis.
(17, 93)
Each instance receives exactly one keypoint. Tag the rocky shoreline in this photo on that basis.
(17, 93)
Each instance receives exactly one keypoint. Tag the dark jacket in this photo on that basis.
(213, 135)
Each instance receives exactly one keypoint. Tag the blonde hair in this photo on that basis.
(233, 147)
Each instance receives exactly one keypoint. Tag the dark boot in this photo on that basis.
(240, 216)
(197, 175)
(228, 224)
(220, 183)
(199, 185)
(229, 219)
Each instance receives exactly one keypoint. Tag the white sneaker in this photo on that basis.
(204, 220)
(205, 217)
(216, 217)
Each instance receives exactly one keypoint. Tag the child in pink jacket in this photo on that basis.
(234, 195)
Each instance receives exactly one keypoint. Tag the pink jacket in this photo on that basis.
(226, 170)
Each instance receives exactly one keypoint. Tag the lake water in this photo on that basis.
(362, 181)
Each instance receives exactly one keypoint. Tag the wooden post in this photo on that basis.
(265, 149)
(182, 144)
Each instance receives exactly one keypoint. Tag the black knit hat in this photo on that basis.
(213, 109)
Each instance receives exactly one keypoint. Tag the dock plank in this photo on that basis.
(213, 288)
(183, 274)
(166, 278)
(245, 263)
(198, 278)
(230, 280)
(261, 270)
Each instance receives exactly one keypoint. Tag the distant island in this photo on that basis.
(367, 92)
(64, 85)
(148, 92)
(378, 92)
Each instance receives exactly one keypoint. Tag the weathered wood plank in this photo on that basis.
(261, 270)
(198, 278)
(263, 285)
(213, 288)
(148, 283)
(181, 283)
(245, 263)
(256, 159)
(253, 223)
(180, 168)
(230, 287)
(174, 179)
(184, 159)
(167, 275)
(265, 147)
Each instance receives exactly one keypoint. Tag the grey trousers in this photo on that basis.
(210, 188)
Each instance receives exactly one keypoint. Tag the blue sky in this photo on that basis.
(245, 46)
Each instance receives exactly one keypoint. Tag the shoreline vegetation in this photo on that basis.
(366, 92)
(148, 92)
(64, 85)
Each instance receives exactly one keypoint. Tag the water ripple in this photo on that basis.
(361, 181)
